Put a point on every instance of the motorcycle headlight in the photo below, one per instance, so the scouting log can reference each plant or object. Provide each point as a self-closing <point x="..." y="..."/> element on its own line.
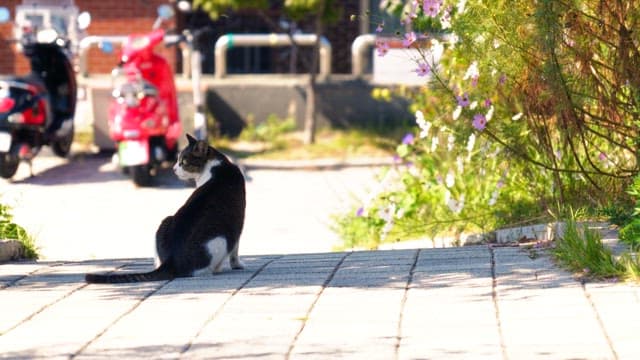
<point x="131" y="100"/>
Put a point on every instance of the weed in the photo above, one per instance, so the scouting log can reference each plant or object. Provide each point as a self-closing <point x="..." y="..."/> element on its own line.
<point x="271" y="130"/>
<point x="13" y="231"/>
<point x="581" y="251"/>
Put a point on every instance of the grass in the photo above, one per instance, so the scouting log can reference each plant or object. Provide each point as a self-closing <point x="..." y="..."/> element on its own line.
<point x="12" y="231"/>
<point x="581" y="250"/>
<point x="328" y="144"/>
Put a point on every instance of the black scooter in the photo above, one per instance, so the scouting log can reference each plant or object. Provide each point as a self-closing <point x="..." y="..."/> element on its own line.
<point x="37" y="109"/>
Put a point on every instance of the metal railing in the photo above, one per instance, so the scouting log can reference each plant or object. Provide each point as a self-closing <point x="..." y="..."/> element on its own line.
<point x="95" y="40"/>
<point x="359" y="52"/>
<point x="229" y="41"/>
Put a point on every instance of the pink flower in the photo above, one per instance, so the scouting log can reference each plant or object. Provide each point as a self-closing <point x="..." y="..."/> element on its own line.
<point x="431" y="7"/>
<point x="382" y="47"/>
<point x="479" y="122"/>
<point x="602" y="157"/>
<point x="414" y="10"/>
<point x="445" y="19"/>
<point x="409" y="38"/>
<point x="474" y="81"/>
<point x="423" y="69"/>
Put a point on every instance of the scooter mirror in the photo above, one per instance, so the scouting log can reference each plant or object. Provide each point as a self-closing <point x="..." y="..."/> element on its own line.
<point x="106" y="47"/>
<point x="47" y="36"/>
<point x="165" y="11"/>
<point x="4" y="15"/>
<point x="84" y="20"/>
<point x="184" y="6"/>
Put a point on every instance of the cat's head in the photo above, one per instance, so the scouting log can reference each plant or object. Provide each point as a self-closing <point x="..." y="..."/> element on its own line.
<point x="195" y="158"/>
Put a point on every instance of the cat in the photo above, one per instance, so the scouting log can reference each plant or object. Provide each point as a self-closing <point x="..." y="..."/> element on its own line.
<point x="206" y="230"/>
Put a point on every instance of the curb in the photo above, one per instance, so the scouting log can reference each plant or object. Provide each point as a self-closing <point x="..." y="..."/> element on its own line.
<point x="314" y="165"/>
<point x="10" y="250"/>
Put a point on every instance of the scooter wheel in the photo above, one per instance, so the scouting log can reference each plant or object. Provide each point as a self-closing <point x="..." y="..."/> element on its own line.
<point x="62" y="145"/>
<point x="8" y="165"/>
<point x="141" y="175"/>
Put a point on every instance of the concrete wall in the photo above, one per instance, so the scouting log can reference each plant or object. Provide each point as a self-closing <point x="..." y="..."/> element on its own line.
<point x="342" y="102"/>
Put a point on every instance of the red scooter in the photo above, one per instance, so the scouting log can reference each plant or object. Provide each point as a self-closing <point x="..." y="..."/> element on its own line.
<point x="143" y="115"/>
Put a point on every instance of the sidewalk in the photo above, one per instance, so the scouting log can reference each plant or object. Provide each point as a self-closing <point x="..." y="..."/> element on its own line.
<point x="464" y="303"/>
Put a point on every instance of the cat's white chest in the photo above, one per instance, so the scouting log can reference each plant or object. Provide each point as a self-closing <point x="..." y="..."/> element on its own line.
<point x="206" y="173"/>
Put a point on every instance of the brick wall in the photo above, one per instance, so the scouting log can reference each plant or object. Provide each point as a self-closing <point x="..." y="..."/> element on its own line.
<point x="108" y="17"/>
<point x="120" y="17"/>
<point x="8" y="56"/>
<point x="123" y="17"/>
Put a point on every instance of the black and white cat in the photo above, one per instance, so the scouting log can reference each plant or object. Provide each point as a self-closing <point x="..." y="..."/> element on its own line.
<point x="205" y="231"/>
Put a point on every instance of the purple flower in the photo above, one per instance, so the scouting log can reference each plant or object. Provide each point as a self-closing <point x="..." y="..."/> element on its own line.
<point x="463" y="100"/>
<point x="423" y="69"/>
<point x="382" y="47"/>
<point x="408" y="139"/>
<point x="503" y="79"/>
<point x="360" y="212"/>
<point x="409" y="38"/>
<point x="487" y="103"/>
<point x="479" y="121"/>
<point x="380" y="27"/>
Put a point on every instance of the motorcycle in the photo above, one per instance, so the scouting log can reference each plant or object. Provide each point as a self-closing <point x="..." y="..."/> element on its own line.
<point x="38" y="109"/>
<point x="143" y="114"/>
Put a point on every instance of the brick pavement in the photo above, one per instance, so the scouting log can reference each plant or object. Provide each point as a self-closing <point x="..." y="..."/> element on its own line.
<point x="467" y="303"/>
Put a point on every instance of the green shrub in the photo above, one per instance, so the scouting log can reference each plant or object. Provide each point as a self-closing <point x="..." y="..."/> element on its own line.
<point x="12" y="231"/>
<point x="630" y="234"/>
<point x="271" y="130"/>
<point x="510" y="120"/>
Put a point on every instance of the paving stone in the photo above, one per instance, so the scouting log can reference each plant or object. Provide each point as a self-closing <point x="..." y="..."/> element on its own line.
<point x="304" y="306"/>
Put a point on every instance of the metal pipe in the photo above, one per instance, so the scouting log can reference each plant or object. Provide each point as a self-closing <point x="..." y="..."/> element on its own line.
<point x="358" y="52"/>
<point x="228" y="41"/>
<point x="92" y="40"/>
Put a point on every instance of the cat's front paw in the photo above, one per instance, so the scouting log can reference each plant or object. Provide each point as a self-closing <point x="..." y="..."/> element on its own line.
<point x="236" y="264"/>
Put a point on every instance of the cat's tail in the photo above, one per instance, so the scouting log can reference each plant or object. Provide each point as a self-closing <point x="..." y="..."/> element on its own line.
<point x="163" y="272"/>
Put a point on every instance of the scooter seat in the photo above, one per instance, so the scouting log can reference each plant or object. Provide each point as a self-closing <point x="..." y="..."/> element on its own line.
<point x="25" y="81"/>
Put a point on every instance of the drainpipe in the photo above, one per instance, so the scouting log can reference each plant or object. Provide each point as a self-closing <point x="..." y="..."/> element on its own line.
<point x="228" y="41"/>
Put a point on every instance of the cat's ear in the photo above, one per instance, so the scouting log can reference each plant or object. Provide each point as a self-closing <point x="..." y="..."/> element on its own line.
<point x="191" y="139"/>
<point x="202" y="148"/>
